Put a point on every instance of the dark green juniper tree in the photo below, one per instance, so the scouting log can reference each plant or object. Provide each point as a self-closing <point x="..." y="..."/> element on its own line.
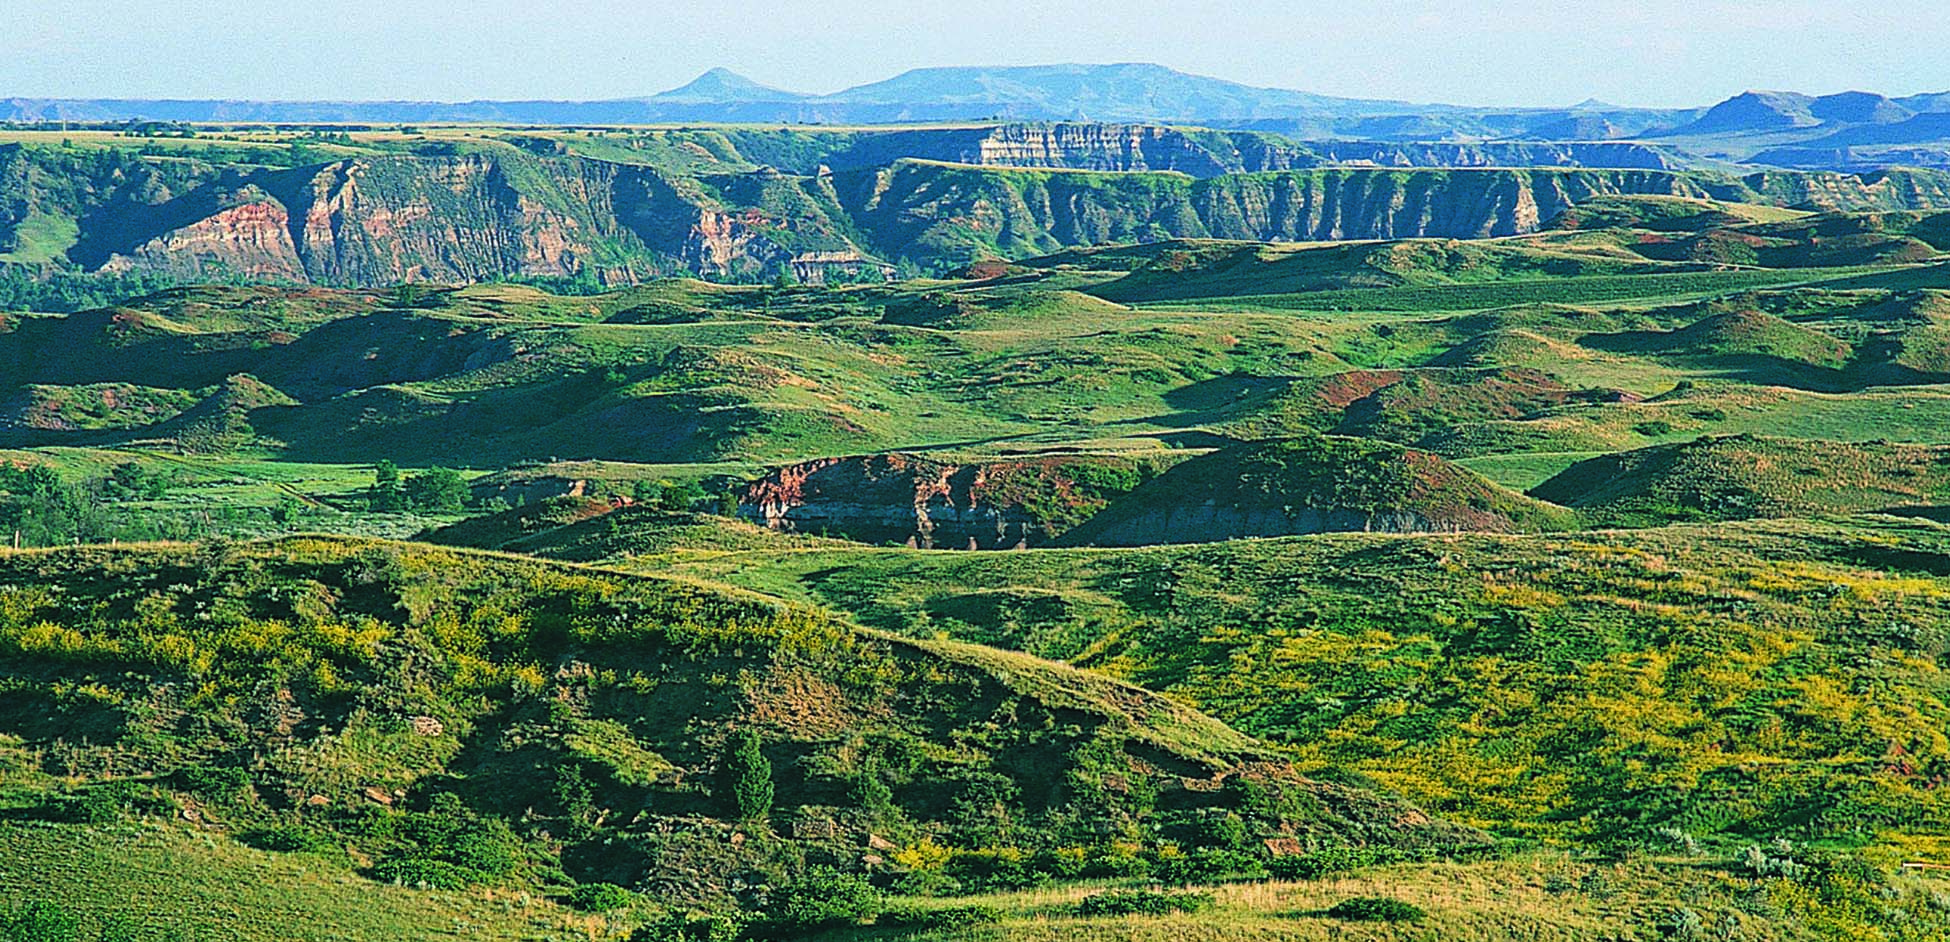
<point x="439" y="490"/>
<point x="748" y="779"/>
<point x="385" y="495"/>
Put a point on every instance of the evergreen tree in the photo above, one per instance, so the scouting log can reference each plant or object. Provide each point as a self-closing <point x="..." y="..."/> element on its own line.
<point x="438" y="490"/>
<point x="575" y="799"/>
<point x="684" y="497"/>
<point x="748" y="779"/>
<point x="385" y="495"/>
<point x="871" y="794"/>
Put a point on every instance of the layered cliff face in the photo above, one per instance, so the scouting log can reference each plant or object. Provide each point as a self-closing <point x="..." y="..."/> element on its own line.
<point x="1311" y="484"/>
<point x="477" y="217"/>
<point x="496" y="214"/>
<point x="932" y="211"/>
<point x="246" y="234"/>
<point x="1594" y="154"/>
<point x="1885" y="190"/>
<point x="1131" y="147"/>
<point x="935" y="504"/>
<point x="461" y="218"/>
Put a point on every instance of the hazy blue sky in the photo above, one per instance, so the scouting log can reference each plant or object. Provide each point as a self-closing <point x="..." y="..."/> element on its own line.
<point x="1518" y="52"/>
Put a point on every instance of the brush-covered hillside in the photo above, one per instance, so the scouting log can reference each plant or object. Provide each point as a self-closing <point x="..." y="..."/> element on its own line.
<point x="1581" y="584"/>
<point x="1315" y="484"/>
<point x="1737" y="477"/>
<point x="1738" y="682"/>
<point x="454" y="719"/>
<point x="1689" y="691"/>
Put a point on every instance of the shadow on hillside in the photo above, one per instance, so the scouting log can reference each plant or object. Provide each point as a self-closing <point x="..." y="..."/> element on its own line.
<point x="1895" y="558"/>
<point x="1752" y="368"/>
<point x="1224" y="397"/>
<point x="1933" y="276"/>
<point x="1936" y="513"/>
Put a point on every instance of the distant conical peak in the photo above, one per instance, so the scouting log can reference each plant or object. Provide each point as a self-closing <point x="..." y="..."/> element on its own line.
<point x="723" y="76"/>
<point x="722" y="84"/>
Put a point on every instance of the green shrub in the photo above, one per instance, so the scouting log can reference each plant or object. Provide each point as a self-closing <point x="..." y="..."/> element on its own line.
<point x="1226" y="830"/>
<point x="450" y="832"/>
<point x="1325" y="862"/>
<point x="1683" y="925"/>
<point x="1117" y="862"/>
<point x="1142" y="903"/>
<point x="40" y="921"/>
<point x="368" y="821"/>
<point x="995" y="869"/>
<point x="648" y="493"/>
<point x="682" y="497"/>
<point x="747" y="779"/>
<point x="1206" y="865"/>
<point x="436" y="490"/>
<point x="924" y="883"/>
<point x="693" y="927"/>
<point x="574" y="797"/>
<point x="1376" y="909"/>
<point x="947" y="918"/>
<point x="287" y="838"/>
<point x="821" y="899"/>
<point x="100" y="804"/>
<point x="600" y="897"/>
<point x="1066" y="863"/>
<point x="871" y="794"/>
<point x="492" y="849"/>
<point x="419" y="871"/>
<point x="385" y="496"/>
<point x="222" y="783"/>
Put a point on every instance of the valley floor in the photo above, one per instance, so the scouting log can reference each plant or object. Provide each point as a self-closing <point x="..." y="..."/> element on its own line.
<point x="1586" y="586"/>
<point x="179" y="883"/>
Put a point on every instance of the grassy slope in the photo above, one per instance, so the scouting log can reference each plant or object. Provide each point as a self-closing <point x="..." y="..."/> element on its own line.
<point x="169" y="879"/>
<point x="1310" y="484"/>
<point x="323" y="671"/>
<point x="1543" y="897"/>
<point x="1741" y="678"/>
<point x="1738" y="477"/>
<point x="172" y="881"/>
<point x="1734" y="681"/>
<point x="684" y="372"/>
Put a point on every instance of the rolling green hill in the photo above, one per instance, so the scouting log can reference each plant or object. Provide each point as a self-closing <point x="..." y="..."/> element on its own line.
<point x="1742" y="680"/>
<point x="1580" y="584"/>
<point x="1309" y="485"/>
<point x="1737" y="477"/>
<point x="457" y="718"/>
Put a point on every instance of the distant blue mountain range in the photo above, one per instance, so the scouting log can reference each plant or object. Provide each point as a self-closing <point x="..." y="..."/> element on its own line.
<point x="1782" y="123"/>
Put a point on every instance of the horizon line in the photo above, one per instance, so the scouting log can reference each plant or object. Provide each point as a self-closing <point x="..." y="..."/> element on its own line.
<point x="798" y="97"/>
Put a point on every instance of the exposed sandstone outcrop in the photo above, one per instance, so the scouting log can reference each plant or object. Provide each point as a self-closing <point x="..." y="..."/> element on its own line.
<point x="467" y="217"/>
<point x="251" y="240"/>
<point x="1597" y="155"/>
<point x="1081" y="145"/>
<point x="1133" y="147"/>
<point x="896" y="498"/>
<point x="1278" y="488"/>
